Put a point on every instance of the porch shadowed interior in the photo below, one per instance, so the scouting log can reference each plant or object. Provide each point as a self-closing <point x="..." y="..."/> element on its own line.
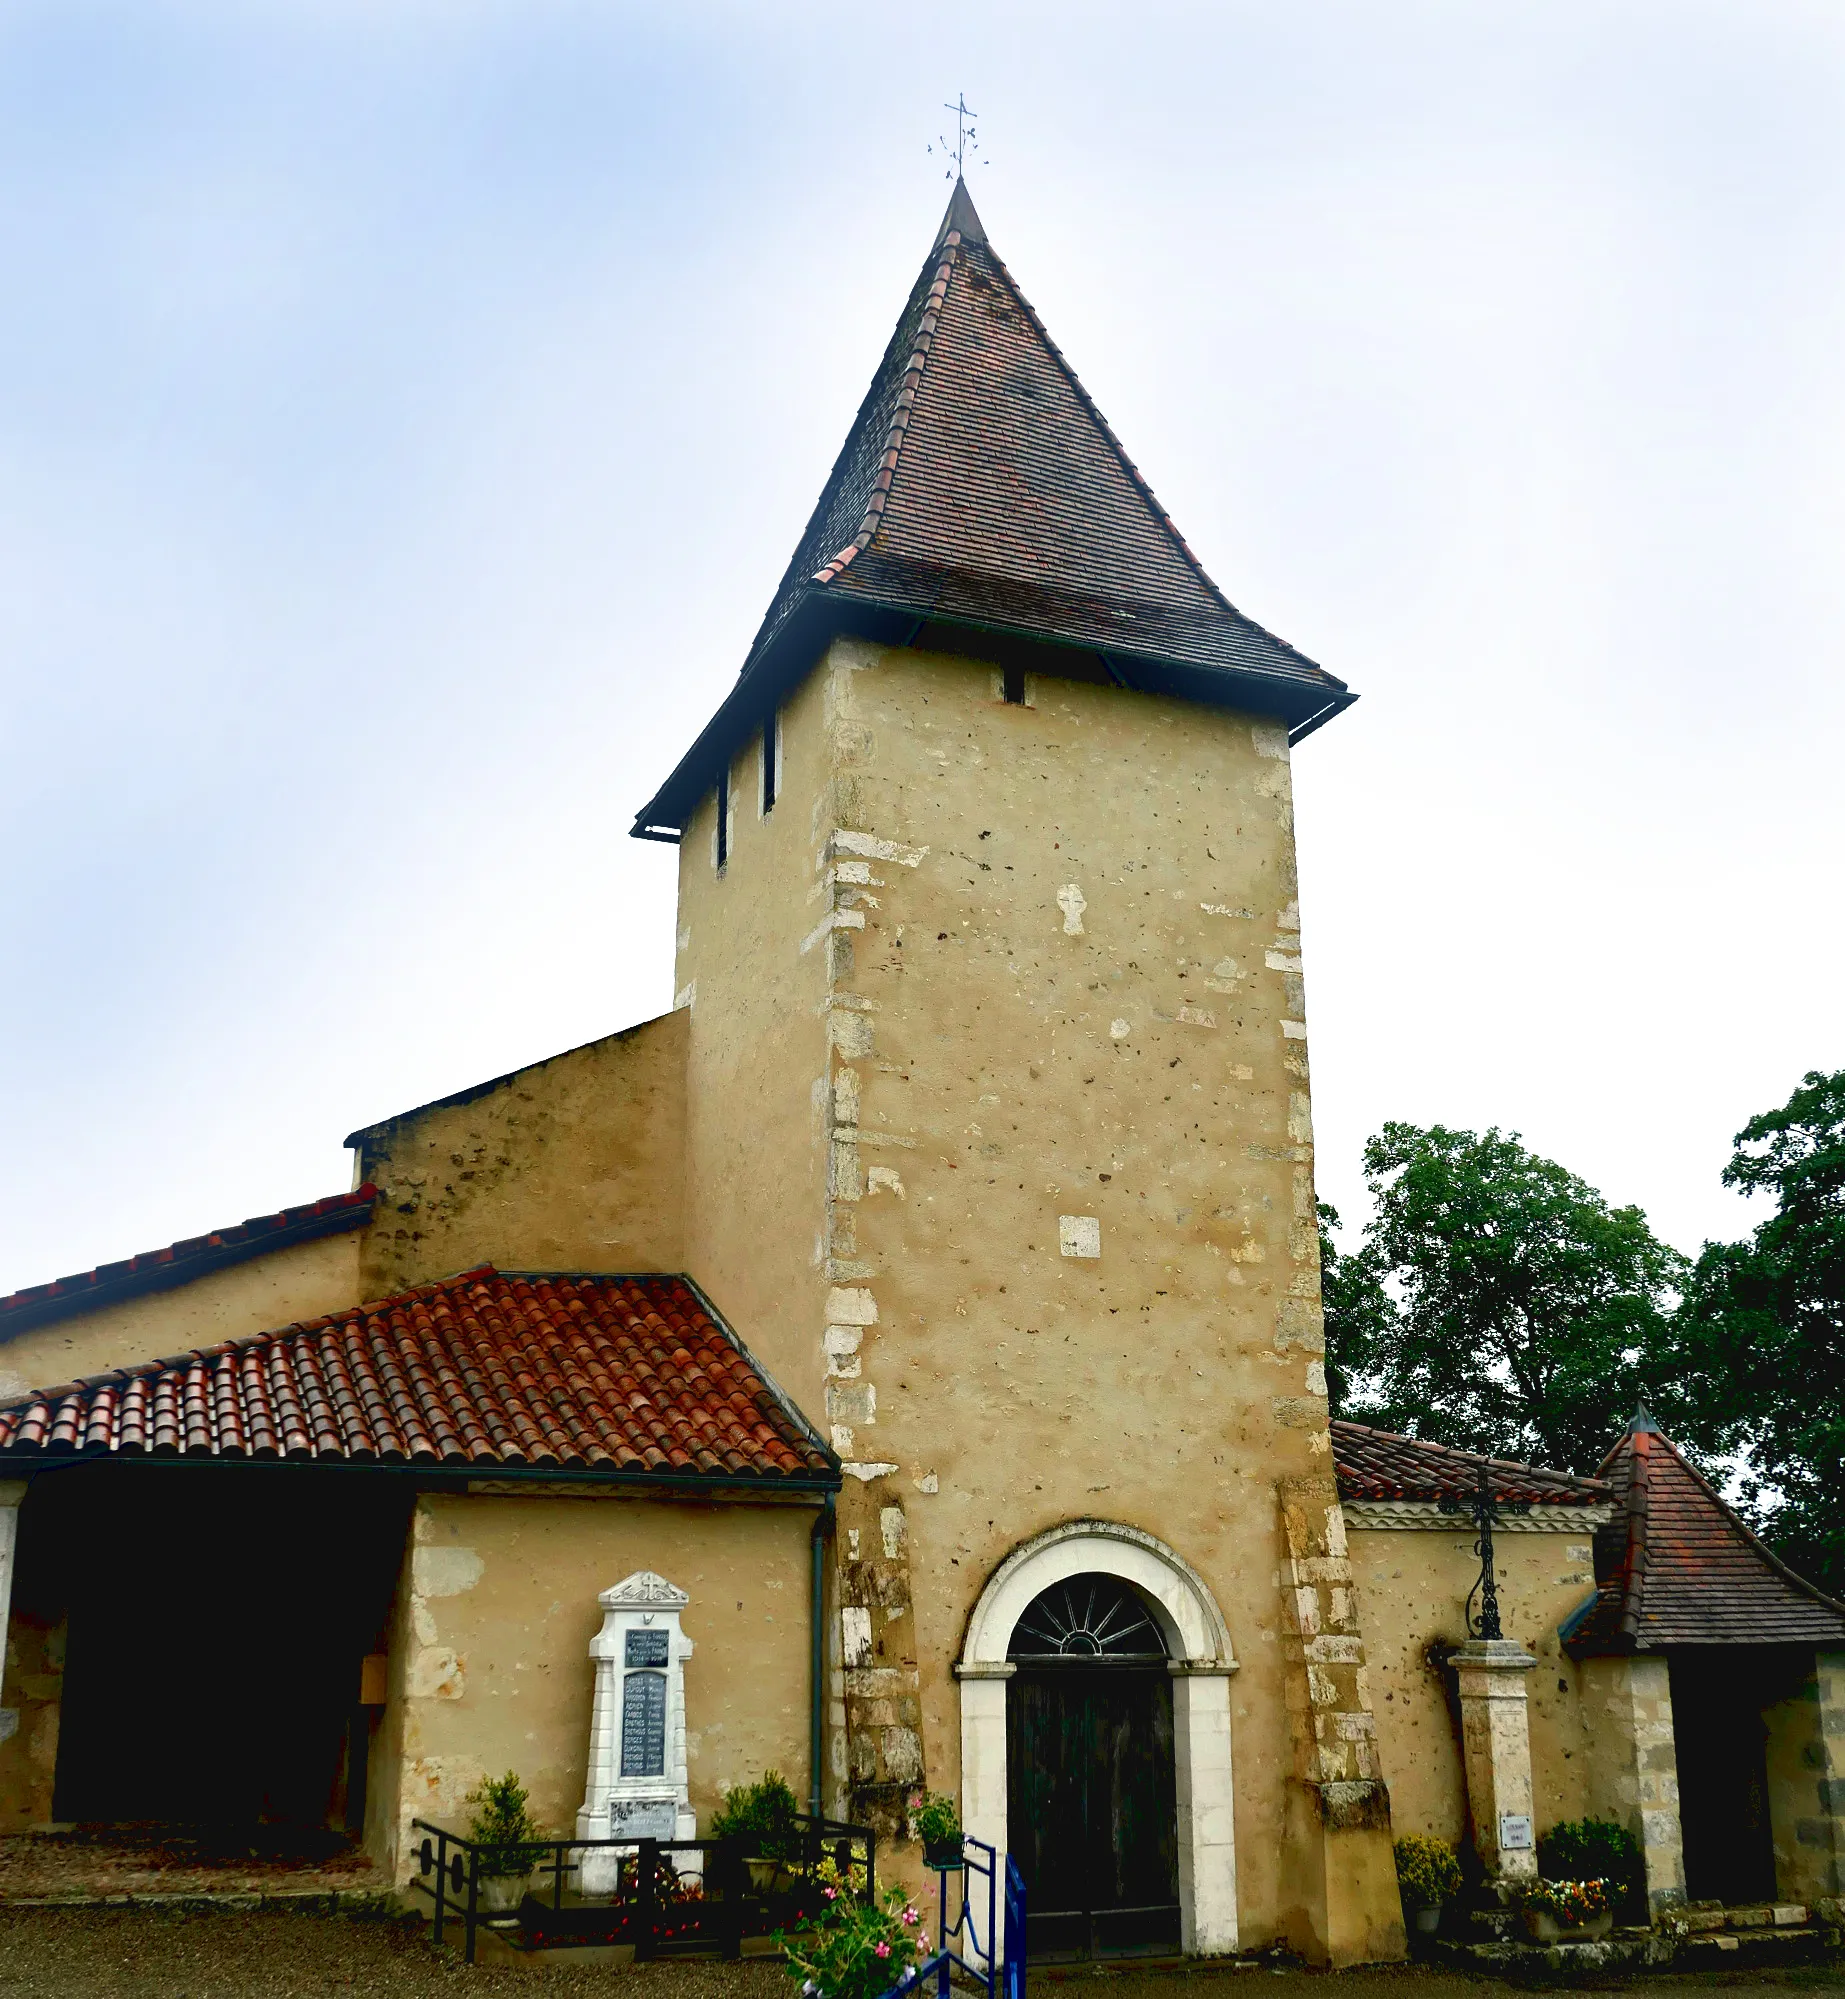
<point x="215" y="1623"/>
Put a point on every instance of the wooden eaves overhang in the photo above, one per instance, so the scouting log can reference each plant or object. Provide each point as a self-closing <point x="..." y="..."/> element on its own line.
<point x="982" y="505"/>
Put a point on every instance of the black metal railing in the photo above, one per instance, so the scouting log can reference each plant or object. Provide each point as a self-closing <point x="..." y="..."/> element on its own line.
<point x="657" y="1895"/>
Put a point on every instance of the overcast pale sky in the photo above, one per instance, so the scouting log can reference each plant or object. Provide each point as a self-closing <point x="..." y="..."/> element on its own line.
<point x="407" y="406"/>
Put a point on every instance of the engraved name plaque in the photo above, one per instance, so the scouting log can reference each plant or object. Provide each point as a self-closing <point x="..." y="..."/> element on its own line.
<point x="643" y="1725"/>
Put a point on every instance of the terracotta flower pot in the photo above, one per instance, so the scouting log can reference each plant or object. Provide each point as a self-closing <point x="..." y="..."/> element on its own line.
<point x="766" y="1875"/>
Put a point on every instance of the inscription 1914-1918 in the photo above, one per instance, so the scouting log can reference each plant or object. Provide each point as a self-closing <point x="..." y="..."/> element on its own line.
<point x="645" y="1648"/>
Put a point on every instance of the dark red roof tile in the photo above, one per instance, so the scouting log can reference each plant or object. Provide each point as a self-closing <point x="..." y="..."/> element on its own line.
<point x="488" y="1370"/>
<point x="1677" y="1567"/>
<point x="180" y="1262"/>
<point x="1378" y="1464"/>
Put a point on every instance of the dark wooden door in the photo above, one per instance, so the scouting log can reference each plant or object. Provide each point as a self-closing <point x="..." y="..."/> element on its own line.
<point x="1092" y="1815"/>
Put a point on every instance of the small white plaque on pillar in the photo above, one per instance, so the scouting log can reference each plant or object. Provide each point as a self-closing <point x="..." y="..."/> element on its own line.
<point x="1515" y="1834"/>
<point x="637" y="1786"/>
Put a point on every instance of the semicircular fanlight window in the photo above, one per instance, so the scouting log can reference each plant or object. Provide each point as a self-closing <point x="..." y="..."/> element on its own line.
<point x="1087" y="1617"/>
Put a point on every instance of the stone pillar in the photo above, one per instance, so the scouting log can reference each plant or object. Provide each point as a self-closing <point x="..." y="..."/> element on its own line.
<point x="983" y="1750"/>
<point x="1496" y="1750"/>
<point x="637" y="1782"/>
<point x="1338" y="1877"/>
<point x="1806" y="1783"/>
<point x="1626" y="1706"/>
<point x="1207" y="1814"/>
<point x="10" y="1494"/>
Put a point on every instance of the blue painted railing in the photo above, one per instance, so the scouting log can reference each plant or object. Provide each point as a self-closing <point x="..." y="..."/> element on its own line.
<point x="966" y="1944"/>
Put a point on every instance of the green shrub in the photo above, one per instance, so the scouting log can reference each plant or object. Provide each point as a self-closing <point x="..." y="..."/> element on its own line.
<point x="501" y="1825"/>
<point x="1594" y="1850"/>
<point x="764" y="1815"/>
<point x="1427" y="1872"/>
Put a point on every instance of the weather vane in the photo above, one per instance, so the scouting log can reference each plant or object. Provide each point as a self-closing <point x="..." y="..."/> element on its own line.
<point x="966" y="139"/>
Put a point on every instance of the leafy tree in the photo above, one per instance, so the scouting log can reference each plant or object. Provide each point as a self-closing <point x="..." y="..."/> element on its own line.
<point x="1497" y="1302"/>
<point x="1761" y="1338"/>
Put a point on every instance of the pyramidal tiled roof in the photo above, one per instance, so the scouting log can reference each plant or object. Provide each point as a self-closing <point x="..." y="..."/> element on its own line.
<point x="489" y="1372"/>
<point x="1676" y="1566"/>
<point x="981" y="488"/>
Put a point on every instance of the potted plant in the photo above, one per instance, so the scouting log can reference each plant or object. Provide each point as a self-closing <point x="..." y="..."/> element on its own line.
<point x="855" y="1949"/>
<point x="766" y="1818"/>
<point x="1565" y="1911"/>
<point x="934" y="1820"/>
<point x="1428" y="1875"/>
<point x="502" y="1833"/>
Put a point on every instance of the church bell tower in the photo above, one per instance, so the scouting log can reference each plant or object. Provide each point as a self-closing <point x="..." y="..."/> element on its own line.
<point x="1000" y="1145"/>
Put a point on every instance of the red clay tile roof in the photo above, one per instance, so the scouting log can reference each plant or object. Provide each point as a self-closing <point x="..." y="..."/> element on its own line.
<point x="1377" y="1464"/>
<point x="1676" y="1567"/>
<point x="601" y="1376"/>
<point x="980" y="486"/>
<point x="181" y="1262"/>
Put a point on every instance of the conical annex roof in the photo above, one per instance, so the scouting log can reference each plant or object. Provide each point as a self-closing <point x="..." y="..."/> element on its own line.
<point x="1675" y="1566"/>
<point x="981" y="489"/>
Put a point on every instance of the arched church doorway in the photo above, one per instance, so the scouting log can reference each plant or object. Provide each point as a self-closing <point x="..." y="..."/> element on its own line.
<point x="1142" y="1743"/>
<point x="1091" y="1793"/>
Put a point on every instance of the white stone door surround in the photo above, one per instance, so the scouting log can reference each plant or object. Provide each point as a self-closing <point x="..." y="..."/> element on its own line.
<point x="1201" y="1662"/>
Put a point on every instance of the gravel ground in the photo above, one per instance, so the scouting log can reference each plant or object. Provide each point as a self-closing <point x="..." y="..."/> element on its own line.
<point x="156" y="1954"/>
<point x="170" y="1860"/>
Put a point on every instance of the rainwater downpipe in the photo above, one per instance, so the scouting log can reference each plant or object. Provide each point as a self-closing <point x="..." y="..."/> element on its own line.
<point x="816" y="1715"/>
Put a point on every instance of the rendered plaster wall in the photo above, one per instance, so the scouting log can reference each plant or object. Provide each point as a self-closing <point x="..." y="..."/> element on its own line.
<point x="576" y="1163"/>
<point x="1030" y="975"/>
<point x="301" y="1282"/>
<point x="490" y="1666"/>
<point x="1412" y="1586"/>
<point x="1806" y="1777"/>
<point x="753" y="979"/>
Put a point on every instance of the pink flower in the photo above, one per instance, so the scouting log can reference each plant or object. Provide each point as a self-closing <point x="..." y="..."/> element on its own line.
<point x="884" y="1950"/>
<point x="911" y="1917"/>
<point x="831" y="1894"/>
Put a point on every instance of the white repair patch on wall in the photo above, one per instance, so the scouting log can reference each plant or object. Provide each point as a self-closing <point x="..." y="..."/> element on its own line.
<point x="884" y="1179"/>
<point x="855" y="1636"/>
<point x="1079" y="1235"/>
<point x="444" y="1571"/>
<point x="1072" y="901"/>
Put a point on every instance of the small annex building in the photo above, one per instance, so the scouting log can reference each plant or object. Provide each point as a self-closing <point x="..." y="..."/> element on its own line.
<point x="912" y="1339"/>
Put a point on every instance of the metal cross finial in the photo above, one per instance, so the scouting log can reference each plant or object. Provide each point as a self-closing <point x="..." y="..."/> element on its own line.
<point x="965" y="136"/>
<point x="1485" y="1508"/>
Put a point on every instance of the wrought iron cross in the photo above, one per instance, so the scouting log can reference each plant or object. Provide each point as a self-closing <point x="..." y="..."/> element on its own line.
<point x="1485" y="1508"/>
